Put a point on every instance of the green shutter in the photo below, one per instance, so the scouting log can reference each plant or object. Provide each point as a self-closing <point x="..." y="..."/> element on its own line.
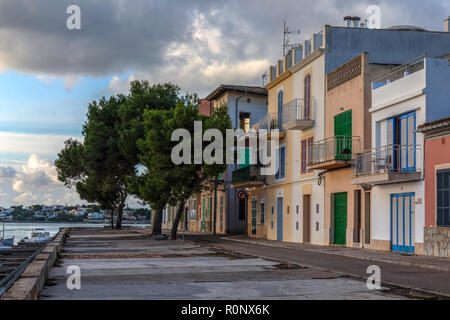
<point x="340" y="218"/>
<point x="245" y="158"/>
<point x="343" y="135"/>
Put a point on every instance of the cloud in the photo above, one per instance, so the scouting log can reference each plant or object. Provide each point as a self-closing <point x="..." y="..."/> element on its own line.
<point x="175" y="40"/>
<point x="34" y="183"/>
<point x="25" y="144"/>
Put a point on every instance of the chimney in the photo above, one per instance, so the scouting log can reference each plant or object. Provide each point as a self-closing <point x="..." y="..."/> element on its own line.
<point x="446" y="25"/>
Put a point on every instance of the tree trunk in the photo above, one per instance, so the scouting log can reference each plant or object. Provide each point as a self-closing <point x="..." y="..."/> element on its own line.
<point x="176" y="221"/>
<point x="119" y="216"/>
<point x="157" y="222"/>
<point x="112" y="219"/>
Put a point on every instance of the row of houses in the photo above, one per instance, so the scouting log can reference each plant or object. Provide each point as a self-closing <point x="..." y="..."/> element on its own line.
<point x="363" y="159"/>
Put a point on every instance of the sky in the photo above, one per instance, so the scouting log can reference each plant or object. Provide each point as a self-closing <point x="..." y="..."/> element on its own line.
<point x="49" y="74"/>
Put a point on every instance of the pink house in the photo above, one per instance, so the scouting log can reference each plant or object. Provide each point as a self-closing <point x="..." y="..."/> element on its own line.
<point x="437" y="187"/>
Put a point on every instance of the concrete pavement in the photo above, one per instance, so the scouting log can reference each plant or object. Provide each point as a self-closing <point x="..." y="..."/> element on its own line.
<point x="130" y="265"/>
<point x="417" y="281"/>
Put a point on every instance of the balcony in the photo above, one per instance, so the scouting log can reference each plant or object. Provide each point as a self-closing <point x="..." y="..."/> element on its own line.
<point x="299" y="114"/>
<point x="334" y="152"/>
<point x="272" y="124"/>
<point x="388" y="164"/>
<point x="247" y="177"/>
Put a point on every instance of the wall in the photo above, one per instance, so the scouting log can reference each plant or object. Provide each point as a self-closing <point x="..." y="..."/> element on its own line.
<point x="437" y="157"/>
<point x="343" y="44"/>
<point x="438" y="88"/>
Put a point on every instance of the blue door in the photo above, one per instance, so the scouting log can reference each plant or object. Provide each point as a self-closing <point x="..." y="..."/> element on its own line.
<point x="402" y="222"/>
<point x="280" y="219"/>
<point x="280" y="110"/>
<point x="408" y="142"/>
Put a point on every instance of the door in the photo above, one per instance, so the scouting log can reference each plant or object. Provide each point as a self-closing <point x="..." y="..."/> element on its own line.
<point x="402" y="222"/>
<point x="254" y="210"/>
<point x="340" y="218"/>
<point x="343" y="135"/>
<point x="306" y="218"/>
<point x="204" y="215"/>
<point x="357" y="216"/>
<point x="408" y="142"/>
<point x="280" y="219"/>
<point x="367" y="217"/>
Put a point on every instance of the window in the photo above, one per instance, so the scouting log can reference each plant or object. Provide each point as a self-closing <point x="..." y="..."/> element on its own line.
<point x="281" y="163"/>
<point x="280" y="110"/>
<point x="193" y="209"/>
<point x="254" y="213"/>
<point x="262" y="213"/>
<point x="249" y="100"/>
<point x="244" y="121"/>
<point x="307" y="95"/>
<point x="443" y="198"/>
<point x="305" y="145"/>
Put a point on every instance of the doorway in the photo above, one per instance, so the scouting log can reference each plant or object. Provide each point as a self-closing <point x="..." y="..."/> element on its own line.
<point x="280" y="219"/>
<point x="402" y="222"/>
<point x="306" y="218"/>
<point x="340" y="218"/>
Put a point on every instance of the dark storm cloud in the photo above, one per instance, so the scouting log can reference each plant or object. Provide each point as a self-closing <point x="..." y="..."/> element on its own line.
<point x="141" y="36"/>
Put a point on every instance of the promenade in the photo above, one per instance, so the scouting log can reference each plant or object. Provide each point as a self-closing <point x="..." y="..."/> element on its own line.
<point x="131" y="265"/>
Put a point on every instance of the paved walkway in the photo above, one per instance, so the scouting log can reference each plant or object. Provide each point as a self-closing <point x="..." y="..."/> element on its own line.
<point x="426" y="262"/>
<point x="132" y="265"/>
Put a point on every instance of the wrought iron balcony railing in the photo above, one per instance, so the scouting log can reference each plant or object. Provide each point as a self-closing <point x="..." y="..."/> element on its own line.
<point x="334" y="148"/>
<point x="299" y="110"/>
<point x="390" y="158"/>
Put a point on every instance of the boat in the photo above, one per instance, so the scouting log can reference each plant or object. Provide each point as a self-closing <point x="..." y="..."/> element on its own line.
<point x="6" y="242"/>
<point x="37" y="236"/>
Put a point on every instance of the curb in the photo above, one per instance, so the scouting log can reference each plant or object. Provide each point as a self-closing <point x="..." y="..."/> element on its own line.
<point x="32" y="280"/>
<point x="365" y="258"/>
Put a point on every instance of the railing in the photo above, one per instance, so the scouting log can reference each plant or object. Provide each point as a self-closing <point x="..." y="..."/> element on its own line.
<point x="247" y="174"/>
<point x="334" y="148"/>
<point x="400" y="72"/>
<point x="299" y="109"/>
<point x="270" y="122"/>
<point x="390" y="158"/>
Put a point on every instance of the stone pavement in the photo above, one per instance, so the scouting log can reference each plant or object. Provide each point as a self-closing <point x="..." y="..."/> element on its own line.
<point x="440" y="264"/>
<point x="132" y="265"/>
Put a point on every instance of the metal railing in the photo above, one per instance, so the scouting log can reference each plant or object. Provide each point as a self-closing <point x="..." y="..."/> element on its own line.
<point x="401" y="71"/>
<point x="247" y="174"/>
<point x="270" y="122"/>
<point x="389" y="158"/>
<point x="334" y="148"/>
<point x="299" y="109"/>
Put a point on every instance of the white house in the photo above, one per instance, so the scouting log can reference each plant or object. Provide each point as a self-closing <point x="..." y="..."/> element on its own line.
<point x="412" y="94"/>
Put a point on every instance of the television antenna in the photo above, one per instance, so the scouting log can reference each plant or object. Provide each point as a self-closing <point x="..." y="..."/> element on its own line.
<point x="286" y="32"/>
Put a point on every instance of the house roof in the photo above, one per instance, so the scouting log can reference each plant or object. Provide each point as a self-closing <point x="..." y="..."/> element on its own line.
<point x="227" y="87"/>
<point x="435" y="126"/>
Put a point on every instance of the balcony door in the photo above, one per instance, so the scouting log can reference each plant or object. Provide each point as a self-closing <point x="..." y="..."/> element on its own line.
<point x="343" y="135"/>
<point x="401" y="141"/>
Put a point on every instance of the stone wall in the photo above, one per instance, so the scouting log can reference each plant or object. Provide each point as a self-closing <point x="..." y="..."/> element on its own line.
<point x="437" y="242"/>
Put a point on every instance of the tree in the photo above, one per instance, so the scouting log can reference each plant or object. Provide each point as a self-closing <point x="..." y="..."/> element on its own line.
<point x="164" y="180"/>
<point x="144" y="97"/>
<point x="96" y="166"/>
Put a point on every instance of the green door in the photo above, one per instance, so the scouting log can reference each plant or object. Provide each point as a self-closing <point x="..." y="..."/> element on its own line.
<point x="245" y="158"/>
<point x="340" y="218"/>
<point x="343" y="134"/>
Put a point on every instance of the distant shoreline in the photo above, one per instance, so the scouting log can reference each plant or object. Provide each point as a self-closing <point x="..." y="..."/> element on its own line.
<point x="77" y="222"/>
